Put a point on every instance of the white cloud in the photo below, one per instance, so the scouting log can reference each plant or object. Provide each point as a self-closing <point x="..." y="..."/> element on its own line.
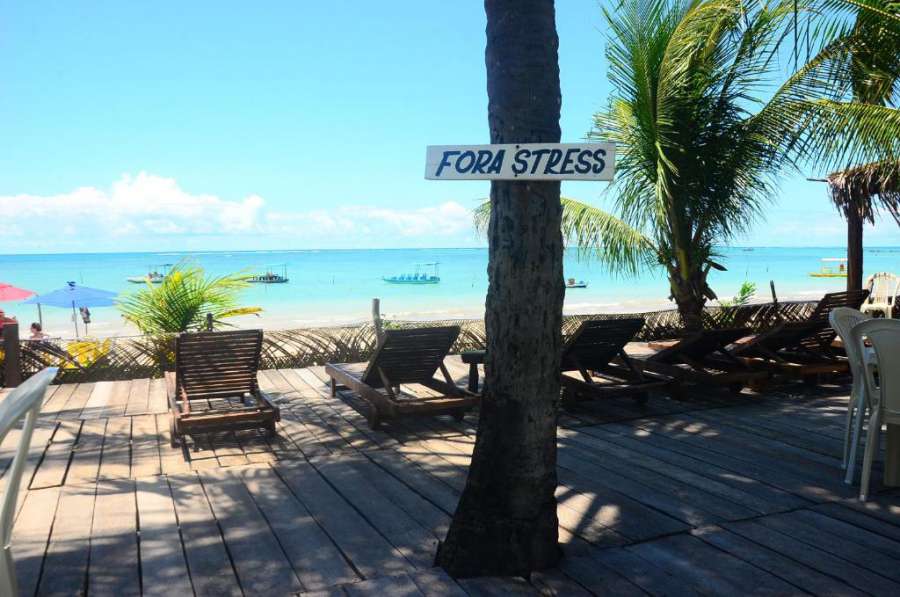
<point x="146" y="206"/>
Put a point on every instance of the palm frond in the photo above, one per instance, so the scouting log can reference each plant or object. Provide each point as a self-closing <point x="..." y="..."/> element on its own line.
<point x="183" y="299"/>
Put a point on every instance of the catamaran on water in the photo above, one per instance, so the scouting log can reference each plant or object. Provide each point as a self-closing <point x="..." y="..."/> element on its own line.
<point x="832" y="267"/>
<point x="153" y="276"/>
<point x="420" y="276"/>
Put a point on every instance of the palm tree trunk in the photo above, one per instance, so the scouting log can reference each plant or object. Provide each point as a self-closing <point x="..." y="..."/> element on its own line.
<point x="690" y="307"/>
<point x="854" y="248"/>
<point x="505" y="523"/>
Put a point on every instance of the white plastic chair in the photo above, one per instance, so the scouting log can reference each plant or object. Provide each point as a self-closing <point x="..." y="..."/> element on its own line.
<point x="843" y="320"/>
<point x="24" y="401"/>
<point x="883" y="291"/>
<point x="883" y="392"/>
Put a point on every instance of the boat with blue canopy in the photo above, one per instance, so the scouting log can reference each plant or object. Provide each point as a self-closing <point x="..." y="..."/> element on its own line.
<point x="425" y="273"/>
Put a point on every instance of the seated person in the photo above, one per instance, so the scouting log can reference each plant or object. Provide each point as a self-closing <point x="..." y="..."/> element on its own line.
<point x="37" y="332"/>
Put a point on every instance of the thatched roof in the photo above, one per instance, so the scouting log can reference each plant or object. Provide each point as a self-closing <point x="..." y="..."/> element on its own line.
<point x="867" y="186"/>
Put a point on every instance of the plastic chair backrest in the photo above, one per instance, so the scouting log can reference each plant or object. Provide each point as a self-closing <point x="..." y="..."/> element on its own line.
<point x="884" y="336"/>
<point x="885" y="287"/>
<point x="843" y="320"/>
<point x="24" y="401"/>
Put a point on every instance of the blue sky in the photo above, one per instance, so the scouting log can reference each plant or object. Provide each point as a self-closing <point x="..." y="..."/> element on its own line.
<point x="228" y="125"/>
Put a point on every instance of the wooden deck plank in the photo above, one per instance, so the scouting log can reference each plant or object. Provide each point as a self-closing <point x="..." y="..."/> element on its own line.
<point x="157" y="402"/>
<point x="642" y="573"/>
<point x="400" y="585"/>
<point x="164" y="570"/>
<point x="53" y="467"/>
<point x="776" y="499"/>
<point x="138" y="397"/>
<point x="172" y="460"/>
<point x="316" y="378"/>
<point x="258" y="558"/>
<point x="56" y="398"/>
<point x="330" y="418"/>
<point x="434" y="582"/>
<point x="115" y="462"/>
<point x="370" y="553"/>
<point x="709" y="568"/>
<point x="118" y="401"/>
<point x="85" y="463"/>
<point x="803" y="577"/>
<point x="66" y="562"/>
<point x="145" y="459"/>
<point x="76" y="401"/>
<point x="813" y="557"/>
<point x="96" y="405"/>
<point x="417" y="544"/>
<point x="114" y="550"/>
<point x="837" y="542"/>
<point x="31" y="535"/>
<point x="859" y="519"/>
<point x="314" y="557"/>
<point x="208" y="560"/>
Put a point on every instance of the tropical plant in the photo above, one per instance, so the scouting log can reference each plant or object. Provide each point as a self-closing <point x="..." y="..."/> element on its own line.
<point x="743" y="297"/>
<point x="703" y="130"/>
<point x="183" y="299"/>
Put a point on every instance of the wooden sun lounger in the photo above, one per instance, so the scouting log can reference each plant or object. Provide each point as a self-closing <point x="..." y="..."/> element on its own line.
<point x="703" y="358"/>
<point x="214" y="386"/>
<point x="591" y="351"/>
<point x="405" y="357"/>
<point x="802" y="349"/>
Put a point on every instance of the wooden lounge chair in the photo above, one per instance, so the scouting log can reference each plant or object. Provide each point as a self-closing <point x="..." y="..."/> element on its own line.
<point x="591" y="350"/>
<point x="214" y="385"/>
<point x="405" y="357"/>
<point x="802" y="349"/>
<point x="703" y="358"/>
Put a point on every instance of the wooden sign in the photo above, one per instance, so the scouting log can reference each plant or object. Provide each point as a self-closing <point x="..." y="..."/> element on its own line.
<point x="521" y="161"/>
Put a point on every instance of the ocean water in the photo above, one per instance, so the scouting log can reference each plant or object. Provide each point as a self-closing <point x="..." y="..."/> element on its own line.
<point x="337" y="286"/>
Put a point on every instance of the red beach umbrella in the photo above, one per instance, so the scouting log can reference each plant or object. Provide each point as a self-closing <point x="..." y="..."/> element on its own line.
<point x="9" y="292"/>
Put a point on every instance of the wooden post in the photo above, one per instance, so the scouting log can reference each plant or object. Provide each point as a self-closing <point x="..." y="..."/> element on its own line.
<point x="376" y="318"/>
<point x="854" y="248"/>
<point x="12" y="360"/>
<point x="209" y="322"/>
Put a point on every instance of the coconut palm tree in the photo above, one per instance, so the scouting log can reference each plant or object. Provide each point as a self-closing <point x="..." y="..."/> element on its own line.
<point x="183" y="299"/>
<point x="702" y="137"/>
<point x="874" y="66"/>
<point x="506" y="522"/>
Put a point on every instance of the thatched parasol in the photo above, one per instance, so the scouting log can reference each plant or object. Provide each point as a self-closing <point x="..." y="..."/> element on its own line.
<point x="859" y="192"/>
<point x="862" y="187"/>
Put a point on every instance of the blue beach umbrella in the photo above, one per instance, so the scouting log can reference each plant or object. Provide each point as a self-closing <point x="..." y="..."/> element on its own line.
<point x="75" y="297"/>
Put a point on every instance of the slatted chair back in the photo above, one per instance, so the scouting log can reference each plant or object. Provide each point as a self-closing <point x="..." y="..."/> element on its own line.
<point x="218" y="364"/>
<point x="696" y="347"/>
<point x="24" y="401"/>
<point x="409" y="356"/>
<point x="596" y="342"/>
<point x="852" y="299"/>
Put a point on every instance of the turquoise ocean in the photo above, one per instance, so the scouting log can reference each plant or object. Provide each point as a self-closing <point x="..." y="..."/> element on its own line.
<point x="336" y="286"/>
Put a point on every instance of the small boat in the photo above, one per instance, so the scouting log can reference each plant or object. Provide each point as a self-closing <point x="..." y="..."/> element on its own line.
<point x="153" y="276"/>
<point x="270" y="277"/>
<point x="571" y="283"/>
<point x="832" y="267"/>
<point x="420" y="276"/>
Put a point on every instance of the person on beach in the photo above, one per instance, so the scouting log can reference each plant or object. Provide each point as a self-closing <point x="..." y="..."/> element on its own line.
<point x="37" y="332"/>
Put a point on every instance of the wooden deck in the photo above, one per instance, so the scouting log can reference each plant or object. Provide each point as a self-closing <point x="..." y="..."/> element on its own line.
<point x="721" y="494"/>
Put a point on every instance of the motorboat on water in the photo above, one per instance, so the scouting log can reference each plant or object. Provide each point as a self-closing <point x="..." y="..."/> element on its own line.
<point x="572" y="283"/>
<point x="270" y="277"/>
<point x="425" y="273"/>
